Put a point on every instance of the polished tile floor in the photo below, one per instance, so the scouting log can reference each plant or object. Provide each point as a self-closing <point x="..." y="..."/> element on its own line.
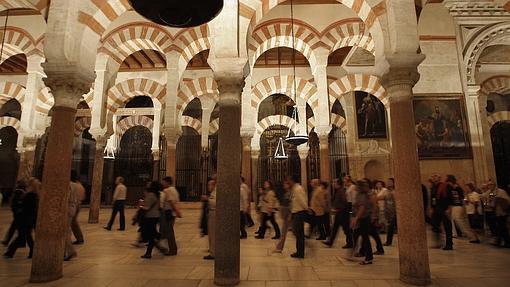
<point x="108" y="259"/>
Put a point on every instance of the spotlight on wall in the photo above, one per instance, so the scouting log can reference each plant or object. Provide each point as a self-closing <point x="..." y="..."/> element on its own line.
<point x="178" y="13"/>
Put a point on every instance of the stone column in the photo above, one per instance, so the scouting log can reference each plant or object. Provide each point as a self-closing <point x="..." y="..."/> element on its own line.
<point x="27" y="158"/>
<point x="155" y="165"/>
<point x="227" y="263"/>
<point x="254" y="155"/>
<point x="246" y="159"/>
<point x="303" y="155"/>
<point x="97" y="180"/>
<point x="52" y="220"/>
<point x="479" y="132"/>
<point x="171" y="160"/>
<point x="412" y="237"/>
<point x="323" y="135"/>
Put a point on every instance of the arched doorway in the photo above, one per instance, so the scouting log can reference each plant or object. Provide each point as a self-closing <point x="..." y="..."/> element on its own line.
<point x="500" y="135"/>
<point x="134" y="161"/>
<point x="8" y="160"/>
<point x="338" y="157"/>
<point x="188" y="167"/>
<point x="277" y="169"/>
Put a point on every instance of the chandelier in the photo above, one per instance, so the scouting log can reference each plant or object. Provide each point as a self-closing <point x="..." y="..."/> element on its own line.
<point x="178" y="13"/>
<point x="280" y="151"/>
<point x="294" y="136"/>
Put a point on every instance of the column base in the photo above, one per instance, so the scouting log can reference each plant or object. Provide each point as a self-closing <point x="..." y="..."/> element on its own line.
<point x="43" y="278"/>
<point x="93" y="221"/>
<point x="226" y="281"/>
<point x="415" y="280"/>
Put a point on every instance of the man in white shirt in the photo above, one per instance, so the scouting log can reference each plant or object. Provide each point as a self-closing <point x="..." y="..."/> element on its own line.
<point x="244" y="207"/>
<point x="119" y="200"/>
<point x="211" y="217"/>
<point x="499" y="200"/>
<point x="170" y="205"/>
<point x="299" y="208"/>
<point x="249" y="220"/>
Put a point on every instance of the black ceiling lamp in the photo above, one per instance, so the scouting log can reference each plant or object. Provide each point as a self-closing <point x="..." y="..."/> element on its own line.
<point x="178" y="13"/>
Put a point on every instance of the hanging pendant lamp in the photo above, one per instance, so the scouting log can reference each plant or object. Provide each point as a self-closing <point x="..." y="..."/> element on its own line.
<point x="280" y="151"/>
<point x="294" y="136"/>
<point x="178" y="13"/>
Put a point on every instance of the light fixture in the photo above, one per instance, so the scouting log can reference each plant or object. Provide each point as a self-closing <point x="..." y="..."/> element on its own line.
<point x="280" y="151"/>
<point x="178" y="13"/>
<point x="294" y="136"/>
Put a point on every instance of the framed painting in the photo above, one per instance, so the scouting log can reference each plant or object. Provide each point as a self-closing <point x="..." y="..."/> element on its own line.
<point x="370" y="116"/>
<point x="440" y="126"/>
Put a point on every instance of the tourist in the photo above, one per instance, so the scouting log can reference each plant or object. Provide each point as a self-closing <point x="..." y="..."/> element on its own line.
<point x="72" y="206"/>
<point x="473" y="206"/>
<point x="501" y="203"/>
<point x="390" y="211"/>
<point x="363" y="209"/>
<point x="244" y="209"/>
<point x="299" y="207"/>
<point x="285" y="214"/>
<point x="119" y="200"/>
<point x="249" y="220"/>
<point x="16" y="203"/>
<point x="318" y="204"/>
<point x="152" y="214"/>
<point x="170" y="210"/>
<point x="75" y="226"/>
<point x="268" y="209"/>
<point x="441" y="205"/>
<point x="381" y="192"/>
<point x="26" y="220"/>
<point x="211" y="217"/>
<point x="489" y="205"/>
<point x="458" y="212"/>
<point x="260" y="202"/>
<point x="341" y="208"/>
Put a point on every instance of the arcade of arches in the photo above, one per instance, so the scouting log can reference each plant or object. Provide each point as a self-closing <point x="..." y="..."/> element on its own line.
<point x="384" y="88"/>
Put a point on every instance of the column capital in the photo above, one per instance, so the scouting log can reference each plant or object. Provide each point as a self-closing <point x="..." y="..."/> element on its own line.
<point x="172" y="135"/>
<point x="156" y="154"/>
<point x="230" y="88"/>
<point x="303" y="151"/>
<point x="255" y="153"/>
<point x="29" y="144"/>
<point x="101" y="140"/>
<point x="67" y="89"/>
<point x="323" y="132"/>
<point x="246" y="139"/>
<point x="473" y="90"/>
<point x="247" y="132"/>
<point x="403" y="70"/>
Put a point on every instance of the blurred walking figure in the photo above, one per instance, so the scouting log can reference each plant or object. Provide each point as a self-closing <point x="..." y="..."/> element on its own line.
<point x="211" y="217"/>
<point x="341" y="208"/>
<point x="119" y="200"/>
<point x="268" y="209"/>
<point x="16" y="203"/>
<point x="72" y="207"/>
<point x="286" y="215"/>
<point x="170" y="205"/>
<point x="75" y="226"/>
<point x="152" y="214"/>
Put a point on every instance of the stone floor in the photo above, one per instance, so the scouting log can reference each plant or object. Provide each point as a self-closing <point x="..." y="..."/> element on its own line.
<point x="108" y="259"/>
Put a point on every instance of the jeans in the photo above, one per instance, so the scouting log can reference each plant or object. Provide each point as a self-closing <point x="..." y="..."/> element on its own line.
<point x="392" y="224"/>
<point x="243" y="224"/>
<point x="263" y="226"/>
<point x="298" y="227"/>
<point x="24" y="237"/>
<point x="490" y="219"/>
<point x="439" y="217"/>
<point x="118" y="207"/>
<point x="167" y="231"/>
<point x="342" y="219"/>
<point x="364" y="229"/>
<point x="502" y="230"/>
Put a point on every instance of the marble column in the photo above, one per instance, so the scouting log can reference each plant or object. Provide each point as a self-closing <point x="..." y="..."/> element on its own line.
<point x="171" y="160"/>
<point x="155" y="165"/>
<point x="254" y="155"/>
<point x="479" y="131"/>
<point x="324" y="155"/>
<point x="27" y="158"/>
<point x="97" y="180"/>
<point x="227" y="257"/>
<point x="412" y="237"/>
<point x="303" y="156"/>
<point x="246" y="160"/>
<point x="52" y="220"/>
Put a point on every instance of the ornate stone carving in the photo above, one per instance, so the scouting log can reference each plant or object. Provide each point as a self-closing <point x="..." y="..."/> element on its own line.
<point x="372" y="147"/>
<point x="475" y="8"/>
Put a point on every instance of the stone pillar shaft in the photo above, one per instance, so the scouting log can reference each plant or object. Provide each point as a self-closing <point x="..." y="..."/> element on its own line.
<point x="227" y="251"/>
<point x="97" y="182"/>
<point x="52" y="220"/>
<point x="171" y="160"/>
<point x="254" y="173"/>
<point x="303" y="155"/>
<point x="246" y="161"/>
<point x="324" y="156"/>
<point x="412" y="237"/>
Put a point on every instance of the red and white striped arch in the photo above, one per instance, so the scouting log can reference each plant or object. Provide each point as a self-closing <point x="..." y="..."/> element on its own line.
<point x="9" y="122"/>
<point x="189" y="90"/>
<point x="133" y="37"/>
<point x="81" y="124"/>
<point x="339" y="122"/>
<point x="357" y="82"/>
<point x="133" y="121"/>
<point x="45" y="101"/>
<point x="271" y="35"/>
<point x="351" y="33"/>
<point x="190" y="42"/>
<point x="497" y="84"/>
<point x="196" y="124"/>
<point x="101" y="13"/>
<point x="498" y="117"/>
<point x="214" y="126"/>
<point x="39" y="5"/>
<point x="9" y="91"/>
<point x="122" y="92"/>
<point x="275" y="120"/>
<point x="18" y="41"/>
<point x="284" y="85"/>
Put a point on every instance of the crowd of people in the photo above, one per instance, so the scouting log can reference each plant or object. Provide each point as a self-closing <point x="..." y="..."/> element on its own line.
<point x="364" y="209"/>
